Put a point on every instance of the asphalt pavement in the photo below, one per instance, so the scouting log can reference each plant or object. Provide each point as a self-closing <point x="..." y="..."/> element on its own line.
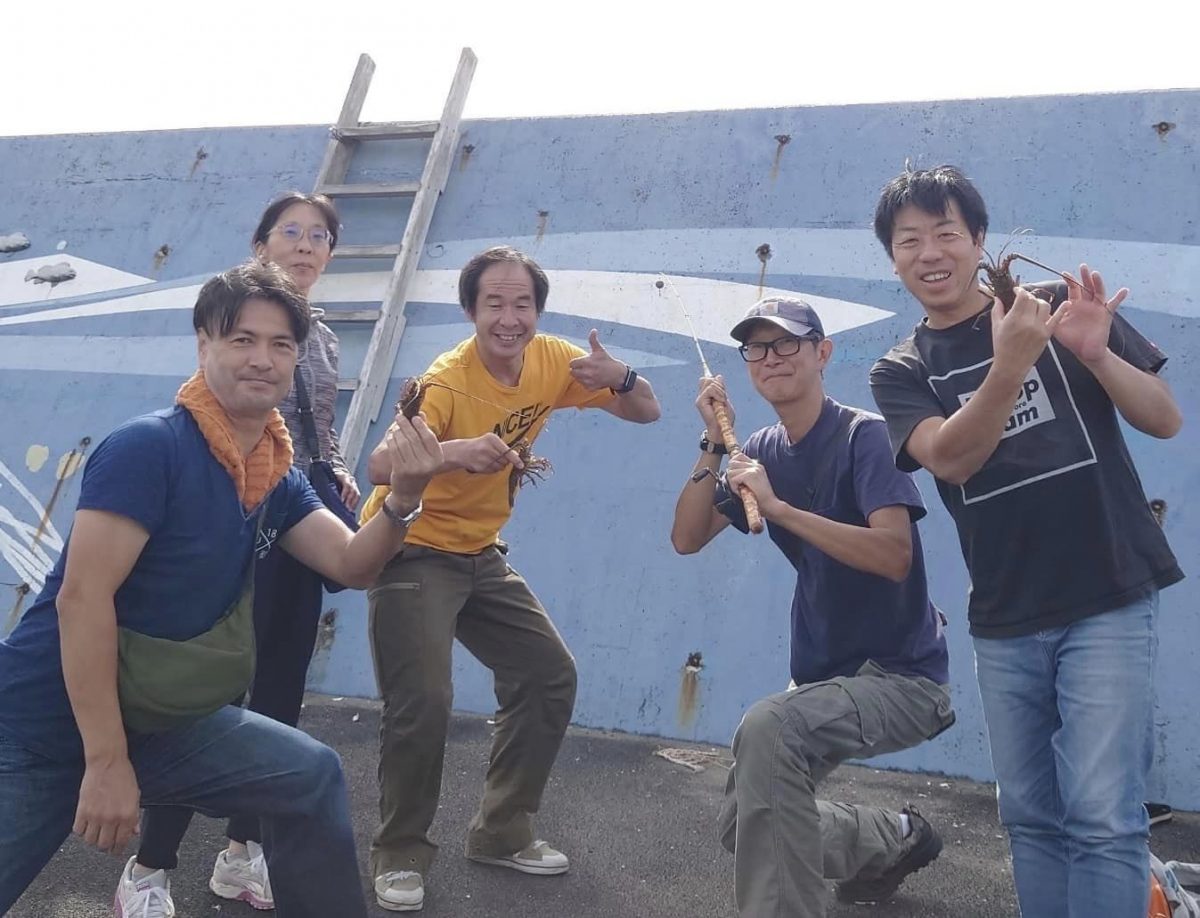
<point x="640" y="831"/>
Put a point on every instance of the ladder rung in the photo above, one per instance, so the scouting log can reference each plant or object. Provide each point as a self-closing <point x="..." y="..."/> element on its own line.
<point x="386" y="130"/>
<point x="397" y="190"/>
<point x="347" y="385"/>
<point x="350" y="315"/>
<point x="367" y="251"/>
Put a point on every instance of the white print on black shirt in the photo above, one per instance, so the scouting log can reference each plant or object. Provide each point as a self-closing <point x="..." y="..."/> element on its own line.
<point x="266" y="538"/>
<point x="1032" y="408"/>
<point x="1053" y="438"/>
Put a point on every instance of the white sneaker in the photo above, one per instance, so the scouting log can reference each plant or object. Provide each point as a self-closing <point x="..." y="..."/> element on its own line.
<point x="539" y="859"/>
<point x="243" y="879"/>
<point x="149" y="897"/>
<point x="400" y="891"/>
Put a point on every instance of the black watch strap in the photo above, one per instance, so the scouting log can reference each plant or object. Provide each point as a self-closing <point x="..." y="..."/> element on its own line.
<point x="629" y="382"/>
<point x="708" y="446"/>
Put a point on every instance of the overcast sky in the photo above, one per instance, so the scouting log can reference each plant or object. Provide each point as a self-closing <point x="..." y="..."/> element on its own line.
<point x="128" y="64"/>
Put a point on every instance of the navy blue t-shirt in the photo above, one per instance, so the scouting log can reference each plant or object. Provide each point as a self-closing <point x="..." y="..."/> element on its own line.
<point x="158" y="471"/>
<point x="843" y="470"/>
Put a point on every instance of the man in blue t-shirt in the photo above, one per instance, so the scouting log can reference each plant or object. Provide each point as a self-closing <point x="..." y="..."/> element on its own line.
<point x="173" y="508"/>
<point x="868" y="658"/>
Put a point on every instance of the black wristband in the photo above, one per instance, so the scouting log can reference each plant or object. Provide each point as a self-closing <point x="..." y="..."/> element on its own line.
<point x="708" y="446"/>
<point x="629" y="383"/>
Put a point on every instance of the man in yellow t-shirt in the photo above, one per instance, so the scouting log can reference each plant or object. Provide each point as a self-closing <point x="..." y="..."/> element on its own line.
<point x="485" y="397"/>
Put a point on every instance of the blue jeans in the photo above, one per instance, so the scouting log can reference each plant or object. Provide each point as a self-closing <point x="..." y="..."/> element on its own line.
<point x="233" y="761"/>
<point x="1069" y="718"/>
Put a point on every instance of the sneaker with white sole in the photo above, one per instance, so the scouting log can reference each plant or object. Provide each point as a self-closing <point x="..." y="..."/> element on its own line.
<point x="400" y="891"/>
<point x="243" y="879"/>
<point x="1159" y="813"/>
<point x="149" y="897"/>
<point x="538" y="859"/>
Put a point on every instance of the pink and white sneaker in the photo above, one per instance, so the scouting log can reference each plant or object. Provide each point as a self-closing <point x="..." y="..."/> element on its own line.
<point x="149" y="897"/>
<point x="243" y="879"/>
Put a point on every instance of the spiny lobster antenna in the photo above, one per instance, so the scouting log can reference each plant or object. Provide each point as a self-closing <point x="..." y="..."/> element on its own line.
<point x="1020" y="231"/>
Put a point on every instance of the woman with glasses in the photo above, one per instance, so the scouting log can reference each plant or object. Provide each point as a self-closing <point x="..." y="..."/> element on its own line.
<point x="297" y="232"/>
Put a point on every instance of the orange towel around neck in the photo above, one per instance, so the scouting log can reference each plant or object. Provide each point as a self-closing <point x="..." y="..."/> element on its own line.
<point x="253" y="476"/>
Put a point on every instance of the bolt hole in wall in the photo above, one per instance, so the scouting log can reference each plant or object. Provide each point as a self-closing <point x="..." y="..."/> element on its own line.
<point x="1163" y="128"/>
<point x="467" y="150"/>
<point x="1158" y="507"/>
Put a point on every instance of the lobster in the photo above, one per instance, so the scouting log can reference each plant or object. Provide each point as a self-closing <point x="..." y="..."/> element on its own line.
<point x="534" y="469"/>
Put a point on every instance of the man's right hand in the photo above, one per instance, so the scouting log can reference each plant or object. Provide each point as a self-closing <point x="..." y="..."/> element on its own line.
<point x="486" y="454"/>
<point x="415" y="457"/>
<point x="712" y="393"/>
<point x="1020" y="334"/>
<point x="107" y="814"/>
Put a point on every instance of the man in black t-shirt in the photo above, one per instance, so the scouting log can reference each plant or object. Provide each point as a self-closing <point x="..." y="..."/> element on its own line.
<point x="1015" y="413"/>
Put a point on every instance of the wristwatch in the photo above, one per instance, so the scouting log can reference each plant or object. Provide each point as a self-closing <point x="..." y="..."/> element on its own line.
<point x="396" y="519"/>
<point x="629" y="382"/>
<point x="708" y="446"/>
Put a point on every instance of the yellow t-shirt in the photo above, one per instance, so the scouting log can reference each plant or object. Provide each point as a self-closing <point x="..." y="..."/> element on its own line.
<point x="463" y="511"/>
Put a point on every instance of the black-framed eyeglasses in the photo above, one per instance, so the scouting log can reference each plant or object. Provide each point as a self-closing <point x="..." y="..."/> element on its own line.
<point x="783" y="347"/>
<point x="319" y="236"/>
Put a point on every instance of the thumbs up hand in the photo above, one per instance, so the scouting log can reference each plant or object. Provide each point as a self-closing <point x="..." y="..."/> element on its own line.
<point x="598" y="369"/>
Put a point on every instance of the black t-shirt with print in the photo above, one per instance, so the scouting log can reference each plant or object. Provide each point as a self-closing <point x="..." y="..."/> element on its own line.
<point x="1055" y="526"/>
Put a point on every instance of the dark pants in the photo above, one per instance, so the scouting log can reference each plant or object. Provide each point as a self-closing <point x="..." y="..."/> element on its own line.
<point x="287" y="607"/>
<point x="422" y="601"/>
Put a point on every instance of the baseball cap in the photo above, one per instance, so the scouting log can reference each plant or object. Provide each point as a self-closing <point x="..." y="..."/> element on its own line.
<point x="791" y="314"/>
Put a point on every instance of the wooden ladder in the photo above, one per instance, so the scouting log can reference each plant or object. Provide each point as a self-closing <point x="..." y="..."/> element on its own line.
<point x="345" y="137"/>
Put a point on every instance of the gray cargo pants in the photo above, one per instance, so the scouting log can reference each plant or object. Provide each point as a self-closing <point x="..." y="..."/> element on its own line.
<point x="786" y="843"/>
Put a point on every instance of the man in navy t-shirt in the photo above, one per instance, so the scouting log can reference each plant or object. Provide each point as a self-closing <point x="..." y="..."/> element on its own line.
<point x="173" y="508"/>
<point x="868" y="658"/>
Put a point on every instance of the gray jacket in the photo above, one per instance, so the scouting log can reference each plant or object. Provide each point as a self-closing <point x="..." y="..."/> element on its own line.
<point x="318" y="363"/>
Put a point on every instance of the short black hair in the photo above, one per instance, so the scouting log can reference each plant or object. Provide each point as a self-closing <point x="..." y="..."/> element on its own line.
<point x="270" y="216"/>
<point x="930" y="190"/>
<point x="221" y="299"/>
<point x="468" y="280"/>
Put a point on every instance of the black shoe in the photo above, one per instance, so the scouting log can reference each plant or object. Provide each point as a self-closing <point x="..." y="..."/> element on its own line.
<point x="921" y="848"/>
<point x="1159" y="813"/>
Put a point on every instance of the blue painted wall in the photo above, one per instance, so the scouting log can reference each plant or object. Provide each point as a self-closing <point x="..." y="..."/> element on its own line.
<point x="690" y="194"/>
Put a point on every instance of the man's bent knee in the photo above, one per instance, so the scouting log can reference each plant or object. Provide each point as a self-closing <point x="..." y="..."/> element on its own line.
<point x="759" y="727"/>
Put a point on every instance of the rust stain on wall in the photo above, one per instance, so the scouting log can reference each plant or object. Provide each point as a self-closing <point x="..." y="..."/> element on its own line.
<point x="689" y="689"/>
<point x="161" y="254"/>
<point x="782" y="140"/>
<point x="764" y="255"/>
<point x="201" y="156"/>
<point x="467" y="150"/>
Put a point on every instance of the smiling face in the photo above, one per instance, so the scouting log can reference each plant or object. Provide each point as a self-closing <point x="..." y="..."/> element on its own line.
<point x="784" y="380"/>
<point x="938" y="262"/>
<point x="505" y="315"/>
<point x="250" y="369"/>
<point x="303" y="259"/>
